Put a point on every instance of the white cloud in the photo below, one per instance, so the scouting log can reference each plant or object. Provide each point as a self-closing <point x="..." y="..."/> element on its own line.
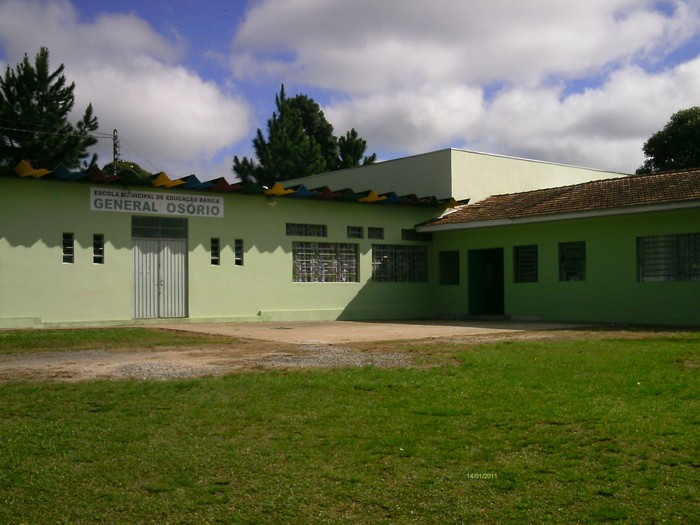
<point x="365" y="45"/>
<point x="166" y="112"/>
<point x="504" y="76"/>
<point x="604" y="127"/>
<point x="415" y="120"/>
<point x="575" y="82"/>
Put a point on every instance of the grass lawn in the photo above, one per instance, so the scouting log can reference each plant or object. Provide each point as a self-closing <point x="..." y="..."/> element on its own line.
<point x="522" y="432"/>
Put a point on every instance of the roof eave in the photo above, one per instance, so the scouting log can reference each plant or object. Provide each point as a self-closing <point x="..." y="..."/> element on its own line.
<point x="559" y="217"/>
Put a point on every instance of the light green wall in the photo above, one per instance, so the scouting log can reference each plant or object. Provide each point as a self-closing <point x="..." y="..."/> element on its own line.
<point x="263" y="287"/>
<point x="610" y="292"/>
<point x="35" y="285"/>
<point x="37" y="288"/>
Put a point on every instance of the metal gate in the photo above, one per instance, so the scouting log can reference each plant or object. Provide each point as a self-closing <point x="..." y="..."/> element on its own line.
<point x="160" y="278"/>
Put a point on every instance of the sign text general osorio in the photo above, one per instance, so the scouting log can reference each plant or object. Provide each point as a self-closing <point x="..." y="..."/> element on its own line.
<point x="151" y="202"/>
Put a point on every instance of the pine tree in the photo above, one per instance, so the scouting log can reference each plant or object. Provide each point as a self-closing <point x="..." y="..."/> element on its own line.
<point x="316" y="126"/>
<point x="351" y="149"/>
<point x="34" y="109"/>
<point x="300" y="142"/>
<point x="287" y="153"/>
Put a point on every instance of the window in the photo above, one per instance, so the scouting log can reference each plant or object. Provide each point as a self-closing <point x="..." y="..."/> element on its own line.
<point x="399" y="264"/>
<point x="668" y="258"/>
<point x="375" y="233"/>
<point x="158" y="228"/>
<point x="572" y="261"/>
<point x="356" y="232"/>
<point x="307" y="230"/>
<point x="68" y="248"/>
<point x="324" y="262"/>
<point x="215" y="252"/>
<point x="413" y="235"/>
<point x="98" y="248"/>
<point x="238" y="252"/>
<point x="525" y="264"/>
<point x="449" y="268"/>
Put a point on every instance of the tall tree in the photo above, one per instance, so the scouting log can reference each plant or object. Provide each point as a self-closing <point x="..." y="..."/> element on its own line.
<point x="351" y="149"/>
<point x="34" y="108"/>
<point x="287" y="153"/>
<point x="675" y="147"/>
<point x="300" y="142"/>
<point x="317" y="127"/>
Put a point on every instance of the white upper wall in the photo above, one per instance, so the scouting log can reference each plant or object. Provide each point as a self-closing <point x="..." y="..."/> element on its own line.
<point x="455" y="173"/>
<point x="425" y="174"/>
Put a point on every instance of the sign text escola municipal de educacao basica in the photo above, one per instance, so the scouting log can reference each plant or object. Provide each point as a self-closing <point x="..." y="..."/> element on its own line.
<point x="151" y="202"/>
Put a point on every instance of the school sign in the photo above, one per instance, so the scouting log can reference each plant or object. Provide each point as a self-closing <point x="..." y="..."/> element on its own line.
<point x="151" y="202"/>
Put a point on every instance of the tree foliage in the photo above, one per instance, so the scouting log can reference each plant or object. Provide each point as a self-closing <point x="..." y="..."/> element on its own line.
<point x="299" y="142"/>
<point x="351" y="149"/>
<point x="34" y="108"/>
<point x="128" y="171"/>
<point x="675" y="147"/>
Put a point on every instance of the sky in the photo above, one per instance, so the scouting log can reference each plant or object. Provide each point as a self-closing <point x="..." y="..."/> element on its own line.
<point x="187" y="83"/>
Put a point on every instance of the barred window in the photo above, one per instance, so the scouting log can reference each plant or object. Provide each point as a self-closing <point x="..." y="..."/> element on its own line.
<point x="68" y="248"/>
<point x="307" y="230"/>
<point x="356" y="232"/>
<point x="413" y="235"/>
<point x="238" y="252"/>
<point x="324" y="262"/>
<point x="399" y="264"/>
<point x="668" y="258"/>
<point x="158" y="227"/>
<point x="98" y="248"/>
<point x="375" y="233"/>
<point x="525" y="264"/>
<point x="572" y="261"/>
<point x="449" y="267"/>
<point x="215" y="251"/>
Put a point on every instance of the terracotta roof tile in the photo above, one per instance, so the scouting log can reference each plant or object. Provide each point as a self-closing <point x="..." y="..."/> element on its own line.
<point x="629" y="191"/>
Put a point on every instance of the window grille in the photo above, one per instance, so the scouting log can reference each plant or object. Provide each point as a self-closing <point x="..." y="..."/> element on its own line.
<point x="356" y="232"/>
<point x="238" y="252"/>
<point x="375" y="233"/>
<point x="324" y="262"/>
<point x="307" y="230"/>
<point x="413" y="235"/>
<point x="572" y="261"/>
<point x="68" y="248"/>
<point x="525" y="264"/>
<point x="668" y="258"/>
<point x="449" y="268"/>
<point x="399" y="264"/>
<point x="98" y="248"/>
<point x="158" y="228"/>
<point x="215" y="251"/>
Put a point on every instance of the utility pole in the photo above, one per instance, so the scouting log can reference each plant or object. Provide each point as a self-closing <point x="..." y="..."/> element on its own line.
<point x="115" y="144"/>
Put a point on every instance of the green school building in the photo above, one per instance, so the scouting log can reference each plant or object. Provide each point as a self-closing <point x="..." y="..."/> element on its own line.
<point x="448" y="234"/>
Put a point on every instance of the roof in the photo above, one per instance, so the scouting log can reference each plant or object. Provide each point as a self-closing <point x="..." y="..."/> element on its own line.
<point x="221" y="185"/>
<point x="615" y="194"/>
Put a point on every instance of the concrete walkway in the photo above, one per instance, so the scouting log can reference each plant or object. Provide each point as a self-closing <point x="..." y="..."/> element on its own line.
<point x="334" y="332"/>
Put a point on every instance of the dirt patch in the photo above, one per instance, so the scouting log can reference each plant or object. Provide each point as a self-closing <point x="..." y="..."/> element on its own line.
<point x="180" y="363"/>
<point x="237" y="354"/>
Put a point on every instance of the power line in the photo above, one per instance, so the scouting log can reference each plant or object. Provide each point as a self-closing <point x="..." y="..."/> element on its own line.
<point x="144" y="158"/>
<point x="97" y="135"/>
<point x="116" y="141"/>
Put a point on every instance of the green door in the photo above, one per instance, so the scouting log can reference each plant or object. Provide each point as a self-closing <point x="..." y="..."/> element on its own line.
<point x="486" y="288"/>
